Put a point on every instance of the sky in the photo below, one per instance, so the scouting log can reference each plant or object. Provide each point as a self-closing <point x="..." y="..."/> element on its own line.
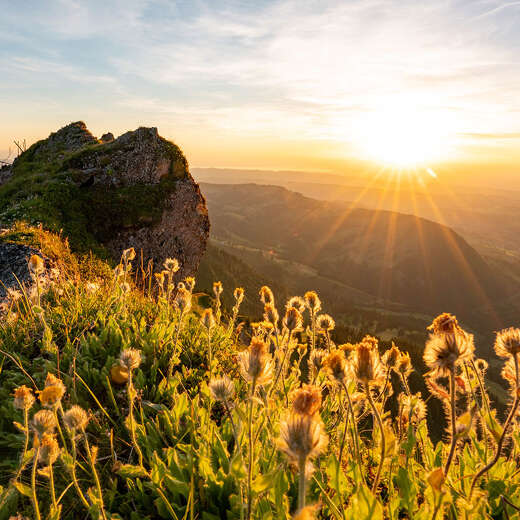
<point x="287" y="84"/>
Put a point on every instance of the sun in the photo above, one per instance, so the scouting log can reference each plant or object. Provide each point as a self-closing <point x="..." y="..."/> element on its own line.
<point x="400" y="136"/>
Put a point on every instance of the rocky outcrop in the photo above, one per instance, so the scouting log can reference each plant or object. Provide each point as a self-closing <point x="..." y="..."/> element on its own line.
<point x="133" y="191"/>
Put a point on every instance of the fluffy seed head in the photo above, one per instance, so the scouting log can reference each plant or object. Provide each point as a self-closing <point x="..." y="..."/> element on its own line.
<point x="75" y="418"/>
<point x="507" y="342"/>
<point x="190" y="283"/>
<point x="302" y="437"/>
<point x="183" y="300"/>
<point x="217" y="289"/>
<point x="44" y="422"/>
<point x="255" y="363"/>
<point x="23" y="398"/>
<point x="445" y="323"/>
<point x="337" y="366"/>
<point x="482" y="365"/>
<point x="367" y="364"/>
<point x="306" y="400"/>
<point x="238" y="294"/>
<point x="404" y="364"/>
<point x="207" y="319"/>
<point x="171" y="265"/>
<point x="325" y="322"/>
<point x="36" y="264"/>
<point x="130" y="358"/>
<point x="293" y="319"/>
<point x="297" y="302"/>
<point x="312" y="301"/>
<point x="49" y="449"/>
<point x="316" y="360"/>
<point x="390" y="357"/>
<point x="271" y="314"/>
<point x="222" y="389"/>
<point x="128" y="254"/>
<point x="266" y="295"/>
<point x="51" y="395"/>
<point x="444" y="351"/>
<point x="413" y="408"/>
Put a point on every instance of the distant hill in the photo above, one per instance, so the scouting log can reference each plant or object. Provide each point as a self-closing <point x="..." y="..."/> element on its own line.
<point x="371" y="257"/>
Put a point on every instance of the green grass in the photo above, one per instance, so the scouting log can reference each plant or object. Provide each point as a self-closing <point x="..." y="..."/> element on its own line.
<point x="208" y="459"/>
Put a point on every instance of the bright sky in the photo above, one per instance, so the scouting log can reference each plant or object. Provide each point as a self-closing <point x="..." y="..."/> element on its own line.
<point x="288" y="84"/>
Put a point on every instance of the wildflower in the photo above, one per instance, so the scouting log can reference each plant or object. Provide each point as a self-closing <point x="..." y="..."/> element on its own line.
<point x="507" y="342"/>
<point x="482" y="365"/>
<point x="23" y="398"/>
<point x="52" y="380"/>
<point x="325" y="322"/>
<point x="255" y="363"/>
<point x="412" y="407"/>
<point x="404" y="364"/>
<point x="312" y="301"/>
<point x="49" y="449"/>
<point x="183" y="300"/>
<point x="181" y="285"/>
<point x="271" y="314"/>
<point x="171" y="265"/>
<point x="51" y="395"/>
<point x="337" y="366"/>
<point x="316" y="360"/>
<point x="190" y="283"/>
<point x="391" y="357"/>
<point x="44" y="421"/>
<point x="13" y="294"/>
<point x="130" y="358"/>
<point x="222" y="389"/>
<point x="266" y="295"/>
<point x="159" y="279"/>
<point x="307" y="400"/>
<point x="444" y="351"/>
<point x="75" y="418"/>
<point x="207" y="319"/>
<point x="36" y="265"/>
<point x="302" y="437"/>
<point x="128" y="254"/>
<point x="366" y="364"/>
<point x="445" y="323"/>
<point x="217" y="289"/>
<point x="238" y="294"/>
<point x="370" y="341"/>
<point x="297" y="302"/>
<point x="293" y="319"/>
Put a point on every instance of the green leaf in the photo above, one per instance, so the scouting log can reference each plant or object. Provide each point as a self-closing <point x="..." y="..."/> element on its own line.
<point x="130" y="471"/>
<point x="23" y="489"/>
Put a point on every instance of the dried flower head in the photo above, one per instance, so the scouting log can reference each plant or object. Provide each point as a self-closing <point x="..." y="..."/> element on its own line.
<point x="23" y="398"/>
<point x="266" y="295"/>
<point x="128" y="254"/>
<point x="444" y="351"/>
<point x="412" y="407"/>
<point x="183" y="300"/>
<point x="404" y="365"/>
<point x="325" y="322"/>
<point x="207" y="319"/>
<point x="255" y="363"/>
<point x="75" y="418"/>
<point x="130" y="358"/>
<point x="391" y="357"/>
<point x="367" y="364"/>
<point x="507" y="342"/>
<point x="49" y="449"/>
<point x="312" y="301"/>
<point x="51" y="395"/>
<point x="302" y="437"/>
<point x="370" y="341"/>
<point x="13" y="295"/>
<point x="159" y="279"/>
<point x="36" y="265"/>
<point x="481" y="364"/>
<point x="445" y="323"/>
<point x="306" y="400"/>
<point x="222" y="389"/>
<point x="238" y="294"/>
<point x="171" y="265"/>
<point x="217" y="289"/>
<point x="190" y="283"/>
<point x="337" y="366"/>
<point x="181" y="285"/>
<point x="297" y="302"/>
<point x="293" y="320"/>
<point x="316" y="360"/>
<point x="44" y="421"/>
<point x="271" y="314"/>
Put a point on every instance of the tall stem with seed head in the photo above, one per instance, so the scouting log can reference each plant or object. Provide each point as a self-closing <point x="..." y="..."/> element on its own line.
<point x="302" y="484"/>
<point x="377" y="417"/>
<point x="95" y="475"/>
<point x="453" y="419"/>
<point x="73" y="470"/>
<point x="53" y="490"/>
<point x="33" y="484"/>
<point x="251" y="449"/>
<point x="500" y="443"/>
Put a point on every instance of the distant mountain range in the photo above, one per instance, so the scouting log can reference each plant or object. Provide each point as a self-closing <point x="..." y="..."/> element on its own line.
<point x="358" y="257"/>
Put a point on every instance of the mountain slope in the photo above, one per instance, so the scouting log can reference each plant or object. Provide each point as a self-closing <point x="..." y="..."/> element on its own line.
<point x="396" y="258"/>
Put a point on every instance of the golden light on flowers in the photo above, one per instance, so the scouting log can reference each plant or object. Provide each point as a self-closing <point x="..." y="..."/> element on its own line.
<point x="207" y="320"/>
<point x="436" y="479"/>
<point x="297" y="302"/>
<point x="128" y="254"/>
<point x="444" y="351"/>
<point x="266" y="295"/>
<point x="222" y="389"/>
<point x="36" y="264"/>
<point x="190" y="283"/>
<point x="316" y="360"/>
<point x="307" y="513"/>
<point x="49" y="449"/>
<point x="171" y="265"/>
<point x="23" y="398"/>
<point x="293" y="319"/>
<point x="306" y="400"/>
<point x="238" y="294"/>
<point x="325" y="322"/>
<point x="183" y="300"/>
<point x="507" y="342"/>
<point x="445" y="323"/>
<point x="412" y="408"/>
<point x="271" y="314"/>
<point x="391" y="357"/>
<point x="44" y="421"/>
<point x="255" y="363"/>
<point x="302" y="437"/>
<point x="366" y="364"/>
<point x="217" y="289"/>
<point x="119" y="374"/>
<point x="51" y="395"/>
<point x="75" y="418"/>
<point x="404" y="364"/>
<point x="52" y="380"/>
<point x="312" y="301"/>
<point x="337" y="366"/>
<point x="130" y="358"/>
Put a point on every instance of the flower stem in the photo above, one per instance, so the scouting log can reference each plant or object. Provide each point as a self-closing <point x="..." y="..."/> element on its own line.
<point x="53" y="490"/>
<point x="131" y="393"/>
<point x="73" y="470"/>
<point x="453" y="424"/>
<point x="301" y="483"/>
<point x="95" y="475"/>
<point x="33" y="484"/>
<point x="250" y="462"/>
<point x="383" y="446"/>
